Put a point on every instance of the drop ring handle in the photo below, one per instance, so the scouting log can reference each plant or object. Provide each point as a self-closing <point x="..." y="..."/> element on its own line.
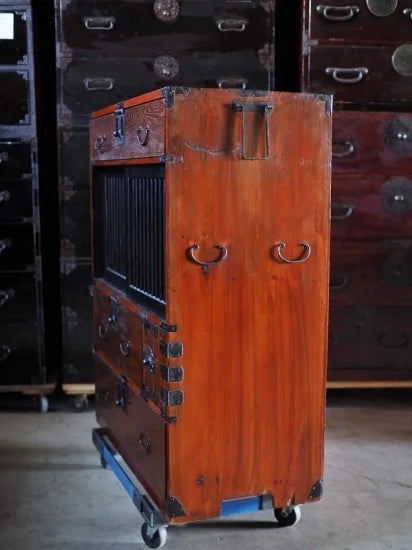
<point x="385" y="343"/>
<point x="5" y="351"/>
<point x="347" y="148"/>
<point x="337" y="13"/>
<point x="307" y="251"/>
<point x="342" y="75"/>
<point x="124" y="347"/>
<point x="143" y="135"/>
<point x="205" y="265"/>
<point x="103" y="331"/>
<point x="408" y="12"/>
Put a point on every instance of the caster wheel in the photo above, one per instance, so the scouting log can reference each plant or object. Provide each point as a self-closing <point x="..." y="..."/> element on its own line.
<point x="79" y="403"/>
<point x="103" y="463"/>
<point x="154" y="538"/>
<point x="42" y="404"/>
<point x="288" y="516"/>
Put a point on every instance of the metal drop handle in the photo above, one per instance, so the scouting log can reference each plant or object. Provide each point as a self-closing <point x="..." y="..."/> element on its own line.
<point x="99" y="23"/>
<point x="307" y="251"/>
<point x="145" y="443"/>
<point x="125" y="348"/>
<point x="4" y="297"/>
<point x="99" y="84"/>
<point x="408" y="13"/>
<point x="4" y="196"/>
<point x="143" y="135"/>
<point x="403" y="342"/>
<point x="103" y="331"/>
<point x="232" y="25"/>
<point x="343" y="282"/>
<point x="5" y="243"/>
<point x="98" y="144"/>
<point x="5" y="351"/>
<point x="346" y="208"/>
<point x="343" y="13"/>
<point x="232" y="83"/>
<point x="4" y="157"/>
<point x="205" y="265"/>
<point x="348" y="148"/>
<point x="335" y="73"/>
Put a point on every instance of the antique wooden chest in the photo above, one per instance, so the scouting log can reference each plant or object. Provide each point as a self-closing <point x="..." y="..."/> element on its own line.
<point x="211" y="262"/>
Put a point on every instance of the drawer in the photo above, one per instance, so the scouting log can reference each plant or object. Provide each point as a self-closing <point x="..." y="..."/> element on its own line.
<point x="75" y="222"/>
<point x="13" y="49"/>
<point x="14" y="98"/>
<point x="18" y="302"/>
<point x="15" y="160"/>
<point x="362" y="74"/>
<point x="139" y="432"/>
<point x="19" y="353"/>
<point x="371" y="273"/>
<point x="16" y="199"/>
<point x="16" y="246"/>
<point x="366" y="21"/>
<point x="363" y="140"/>
<point x="88" y="85"/>
<point x="370" y="337"/>
<point x="96" y="27"/>
<point x="73" y="163"/>
<point x="374" y="206"/>
<point x="140" y="132"/>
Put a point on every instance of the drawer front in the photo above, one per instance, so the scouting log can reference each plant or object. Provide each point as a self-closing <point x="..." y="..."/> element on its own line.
<point x="362" y="74"/>
<point x="19" y="353"/>
<point x="139" y="432"/>
<point x="13" y="49"/>
<point x="88" y="85"/>
<point x="371" y="207"/>
<point x="18" y="301"/>
<point x="370" y="337"/>
<point x="140" y="132"/>
<point x="362" y="141"/>
<point x="15" y="160"/>
<point x="97" y="27"/>
<point x="75" y="222"/>
<point x="16" y="199"/>
<point x="74" y="162"/>
<point x="16" y="246"/>
<point x="372" y="21"/>
<point x="14" y="98"/>
<point x="371" y="273"/>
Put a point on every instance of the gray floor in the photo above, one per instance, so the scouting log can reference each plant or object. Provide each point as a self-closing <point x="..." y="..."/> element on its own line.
<point x="54" y="494"/>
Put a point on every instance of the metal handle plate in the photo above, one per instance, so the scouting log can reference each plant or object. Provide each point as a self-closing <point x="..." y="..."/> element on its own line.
<point x="99" y="84"/>
<point x="347" y="148"/>
<point x="307" y="251"/>
<point x="229" y="82"/>
<point x="337" y="13"/>
<point x="99" y="23"/>
<point x="342" y="75"/>
<point x="232" y="24"/>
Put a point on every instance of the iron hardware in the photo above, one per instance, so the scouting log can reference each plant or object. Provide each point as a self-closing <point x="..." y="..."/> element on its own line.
<point x="171" y="374"/>
<point x="112" y="320"/>
<point x="4" y="196"/>
<point x="232" y="25"/>
<point x="146" y="443"/>
<point x="205" y="265"/>
<point x="171" y="398"/>
<point x="344" y="278"/>
<point x="5" y="243"/>
<point x="5" y="295"/>
<point x="359" y="73"/>
<point x="119" y="124"/>
<point x="346" y="208"/>
<point x="402" y="343"/>
<point x="103" y="331"/>
<point x="148" y="360"/>
<point x="229" y="82"/>
<point x="4" y="157"/>
<point x="99" y="23"/>
<point x="300" y="259"/>
<point x="408" y="13"/>
<point x="168" y="328"/>
<point x="98" y="144"/>
<point x="121" y="400"/>
<point x="254" y="107"/>
<point x="99" y="84"/>
<point x="348" y="148"/>
<point x="143" y="135"/>
<point x="125" y="347"/>
<point x="5" y="351"/>
<point x="171" y="349"/>
<point x="343" y="13"/>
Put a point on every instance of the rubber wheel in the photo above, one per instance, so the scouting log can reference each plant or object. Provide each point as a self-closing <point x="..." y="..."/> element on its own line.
<point x="79" y="403"/>
<point x="42" y="404"/>
<point x="288" y="516"/>
<point x="157" y="540"/>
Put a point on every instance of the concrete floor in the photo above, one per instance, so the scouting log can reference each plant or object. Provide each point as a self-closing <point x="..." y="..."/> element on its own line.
<point x="55" y="495"/>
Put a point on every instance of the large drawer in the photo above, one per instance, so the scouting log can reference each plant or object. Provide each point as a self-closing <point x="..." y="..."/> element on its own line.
<point x="14" y="97"/>
<point x="16" y="246"/>
<point x="13" y="49"/>
<point x="16" y="199"/>
<point x="19" y="353"/>
<point x="360" y="21"/>
<point x="139" y="432"/>
<point x="18" y="302"/>
<point x="98" y="27"/>
<point x="362" y="74"/>
<point x="371" y="272"/>
<point x="15" y="160"/>
<point x="371" y="206"/>
<point x="370" y="337"/>
<point x="363" y="141"/>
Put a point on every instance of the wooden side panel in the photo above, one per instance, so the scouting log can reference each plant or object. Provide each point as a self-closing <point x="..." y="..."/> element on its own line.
<point x="254" y="328"/>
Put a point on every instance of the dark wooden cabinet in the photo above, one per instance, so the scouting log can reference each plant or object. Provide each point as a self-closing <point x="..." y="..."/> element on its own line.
<point x="210" y="293"/>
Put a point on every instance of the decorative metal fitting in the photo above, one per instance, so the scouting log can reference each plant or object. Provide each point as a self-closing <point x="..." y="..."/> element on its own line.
<point x="206" y="265"/>
<point x="300" y="259"/>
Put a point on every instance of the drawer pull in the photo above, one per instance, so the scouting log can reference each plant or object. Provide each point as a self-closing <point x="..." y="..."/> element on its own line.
<point x="232" y="25"/>
<point x="99" y="84"/>
<point x="5" y="243"/>
<point x="338" y="73"/>
<point x="5" y="351"/>
<point x="4" y="196"/>
<point x="125" y="348"/>
<point x="385" y="342"/>
<point x="98" y="144"/>
<point x="408" y="13"/>
<point x="99" y="23"/>
<point x="346" y="209"/>
<point x="143" y="135"/>
<point x="346" y="148"/>
<point x="205" y="265"/>
<point x="307" y="251"/>
<point x="121" y="400"/>
<point x="4" y="157"/>
<point x="228" y="82"/>
<point x="103" y="331"/>
<point x="340" y="281"/>
<point x="5" y="296"/>
<point x="145" y="443"/>
<point x="337" y="13"/>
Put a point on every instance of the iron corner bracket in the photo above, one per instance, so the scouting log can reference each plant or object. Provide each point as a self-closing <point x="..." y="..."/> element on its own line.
<point x="174" y="508"/>
<point x="169" y="93"/>
<point x="316" y="491"/>
<point x="328" y="99"/>
<point x="168" y="328"/>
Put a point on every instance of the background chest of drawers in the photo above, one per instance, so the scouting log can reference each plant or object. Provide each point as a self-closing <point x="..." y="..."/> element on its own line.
<point x="109" y="51"/>
<point x="362" y="53"/>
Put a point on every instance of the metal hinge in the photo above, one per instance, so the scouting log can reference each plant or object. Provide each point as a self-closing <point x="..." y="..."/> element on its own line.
<point x="171" y="374"/>
<point x="171" y="349"/>
<point x="119" y="133"/>
<point x="171" y="398"/>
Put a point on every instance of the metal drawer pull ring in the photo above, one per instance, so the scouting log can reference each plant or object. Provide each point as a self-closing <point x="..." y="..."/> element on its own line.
<point x="103" y="331"/>
<point x="385" y="343"/>
<point x="99" y="23"/>
<point x="347" y="211"/>
<point x="206" y="265"/>
<point x="334" y="72"/>
<point x="143" y="135"/>
<point x="4" y="297"/>
<point x="307" y="251"/>
<point x="125" y="348"/>
<point x="340" y="282"/>
<point x="348" y="148"/>
<point x="346" y="13"/>
<point x="408" y="13"/>
<point x="5" y="351"/>
<point x="98" y="144"/>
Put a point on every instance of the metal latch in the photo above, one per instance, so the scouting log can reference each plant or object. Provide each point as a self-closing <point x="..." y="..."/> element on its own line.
<point x="249" y="150"/>
<point x="112" y="320"/>
<point x="121" y="400"/>
<point x="119" y="124"/>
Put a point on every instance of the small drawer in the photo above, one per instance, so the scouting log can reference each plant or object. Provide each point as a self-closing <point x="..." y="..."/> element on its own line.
<point x="18" y="302"/>
<point x="371" y="273"/>
<point x="16" y="201"/>
<point x="19" y="353"/>
<point x="15" y="160"/>
<point x="16" y="246"/>
<point x="363" y="140"/>
<point x="14" y="98"/>
<point x="139" y="432"/>
<point x="371" y="206"/>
